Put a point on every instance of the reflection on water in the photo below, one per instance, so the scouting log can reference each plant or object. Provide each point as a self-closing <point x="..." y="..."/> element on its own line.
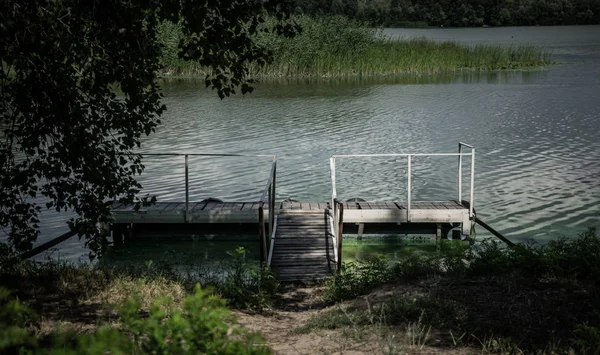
<point x="202" y="259"/>
<point x="392" y="247"/>
<point x="536" y="132"/>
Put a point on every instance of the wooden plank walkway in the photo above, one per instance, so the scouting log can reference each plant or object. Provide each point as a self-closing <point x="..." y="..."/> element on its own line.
<point x="208" y="212"/>
<point x="199" y="212"/>
<point x="303" y="246"/>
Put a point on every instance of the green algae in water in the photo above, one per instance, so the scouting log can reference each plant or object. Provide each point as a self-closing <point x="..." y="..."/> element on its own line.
<point x="393" y="247"/>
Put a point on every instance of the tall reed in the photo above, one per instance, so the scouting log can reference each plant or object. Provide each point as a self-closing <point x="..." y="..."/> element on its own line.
<point x="335" y="46"/>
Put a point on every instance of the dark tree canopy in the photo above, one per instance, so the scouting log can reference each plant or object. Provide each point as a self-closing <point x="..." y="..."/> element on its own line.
<point x="460" y="13"/>
<point x="78" y="90"/>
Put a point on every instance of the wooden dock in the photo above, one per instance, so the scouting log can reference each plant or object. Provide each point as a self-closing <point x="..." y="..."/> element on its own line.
<point x="302" y="246"/>
<point x="302" y="241"/>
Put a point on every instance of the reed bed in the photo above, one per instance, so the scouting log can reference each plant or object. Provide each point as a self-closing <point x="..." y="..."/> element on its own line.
<point x="337" y="47"/>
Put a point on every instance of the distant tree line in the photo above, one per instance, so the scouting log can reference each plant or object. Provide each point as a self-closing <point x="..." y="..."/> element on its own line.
<point x="461" y="13"/>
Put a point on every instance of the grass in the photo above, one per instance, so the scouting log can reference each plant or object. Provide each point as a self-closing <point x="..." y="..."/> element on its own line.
<point x="90" y="309"/>
<point x="484" y="298"/>
<point x="238" y="281"/>
<point x="337" y="47"/>
<point x="527" y="299"/>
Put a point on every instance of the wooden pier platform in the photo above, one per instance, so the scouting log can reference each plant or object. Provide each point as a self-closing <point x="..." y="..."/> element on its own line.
<point x="302" y="246"/>
<point x="365" y="212"/>
<point x="303" y="240"/>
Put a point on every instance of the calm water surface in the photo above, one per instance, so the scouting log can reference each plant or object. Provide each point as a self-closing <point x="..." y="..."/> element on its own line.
<point x="537" y="135"/>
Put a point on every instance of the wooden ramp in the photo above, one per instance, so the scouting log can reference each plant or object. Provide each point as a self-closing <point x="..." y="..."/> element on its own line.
<point x="302" y="249"/>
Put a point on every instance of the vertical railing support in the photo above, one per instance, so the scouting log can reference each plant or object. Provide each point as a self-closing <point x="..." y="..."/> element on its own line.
<point x="187" y="190"/>
<point x="270" y="210"/>
<point x="409" y="188"/>
<point x="339" y="236"/>
<point x="272" y="201"/>
<point x="471" y="197"/>
<point x="459" y="172"/>
<point x="333" y="188"/>
<point x="261" y="233"/>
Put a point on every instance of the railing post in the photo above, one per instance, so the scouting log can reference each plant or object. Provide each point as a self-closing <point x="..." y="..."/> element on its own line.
<point x="272" y="207"/>
<point x="340" y="231"/>
<point x="409" y="188"/>
<point x="261" y="234"/>
<point x="333" y="188"/>
<point x="459" y="172"/>
<point x="187" y="190"/>
<point x="472" y="196"/>
<point x="270" y="210"/>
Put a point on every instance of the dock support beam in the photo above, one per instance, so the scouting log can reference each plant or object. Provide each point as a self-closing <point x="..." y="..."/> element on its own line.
<point x="187" y="190"/>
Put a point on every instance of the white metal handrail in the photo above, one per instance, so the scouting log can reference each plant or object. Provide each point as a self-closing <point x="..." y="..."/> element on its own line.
<point x="272" y="242"/>
<point x="409" y="157"/>
<point x="269" y="189"/>
<point x="334" y="233"/>
<point x="268" y="193"/>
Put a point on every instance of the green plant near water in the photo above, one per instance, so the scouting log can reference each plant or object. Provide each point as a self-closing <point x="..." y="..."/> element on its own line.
<point x="239" y="280"/>
<point x="569" y="258"/>
<point x="201" y="325"/>
<point x="335" y="46"/>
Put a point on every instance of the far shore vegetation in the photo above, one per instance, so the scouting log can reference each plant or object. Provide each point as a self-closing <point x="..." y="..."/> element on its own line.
<point x="483" y="298"/>
<point x="335" y="46"/>
<point x="464" y="13"/>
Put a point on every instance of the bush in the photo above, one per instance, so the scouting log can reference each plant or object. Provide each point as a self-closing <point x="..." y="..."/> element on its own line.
<point x="203" y="325"/>
<point x="356" y="278"/>
<point x="245" y="285"/>
<point x="573" y="259"/>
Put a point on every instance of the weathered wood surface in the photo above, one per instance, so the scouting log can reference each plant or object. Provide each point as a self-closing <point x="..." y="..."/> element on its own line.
<point x="199" y="212"/>
<point x="247" y="212"/>
<point x="302" y="249"/>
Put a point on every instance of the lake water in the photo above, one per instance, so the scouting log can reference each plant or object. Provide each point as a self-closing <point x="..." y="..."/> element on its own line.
<point x="537" y="135"/>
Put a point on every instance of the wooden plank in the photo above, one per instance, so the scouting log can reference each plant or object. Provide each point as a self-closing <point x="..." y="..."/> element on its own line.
<point x="199" y="206"/>
<point x="299" y="256"/>
<point x="363" y="205"/>
<point x="400" y="205"/>
<point x="300" y="226"/>
<point x="233" y="206"/>
<point x="301" y="243"/>
<point x="311" y="233"/>
<point x="172" y="207"/>
<point x="157" y="207"/>
<point x="308" y="222"/>
<point x="300" y="270"/>
<point x="318" y="260"/>
<point x="296" y="249"/>
<point x="213" y="206"/>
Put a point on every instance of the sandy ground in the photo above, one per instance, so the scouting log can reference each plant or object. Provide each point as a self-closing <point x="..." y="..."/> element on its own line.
<point x="298" y="304"/>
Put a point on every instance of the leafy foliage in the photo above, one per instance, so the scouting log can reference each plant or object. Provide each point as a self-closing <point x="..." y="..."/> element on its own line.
<point x="460" y="13"/>
<point x="203" y="325"/>
<point x="586" y="339"/>
<point x="78" y="91"/>
<point x="574" y="259"/>
<point x="245" y="285"/>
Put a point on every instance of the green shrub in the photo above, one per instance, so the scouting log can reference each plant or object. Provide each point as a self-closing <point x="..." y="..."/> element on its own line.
<point x="202" y="325"/>
<point x="573" y="259"/>
<point x="356" y="278"/>
<point x="586" y="339"/>
<point x="245" y="285"/>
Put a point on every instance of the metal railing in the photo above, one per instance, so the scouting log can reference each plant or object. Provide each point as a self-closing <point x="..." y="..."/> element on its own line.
<point x="337" y="229"/>
<point x="409" y="158"/>
<point x="472" y="184"/>
<point x="267" y="196"/>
